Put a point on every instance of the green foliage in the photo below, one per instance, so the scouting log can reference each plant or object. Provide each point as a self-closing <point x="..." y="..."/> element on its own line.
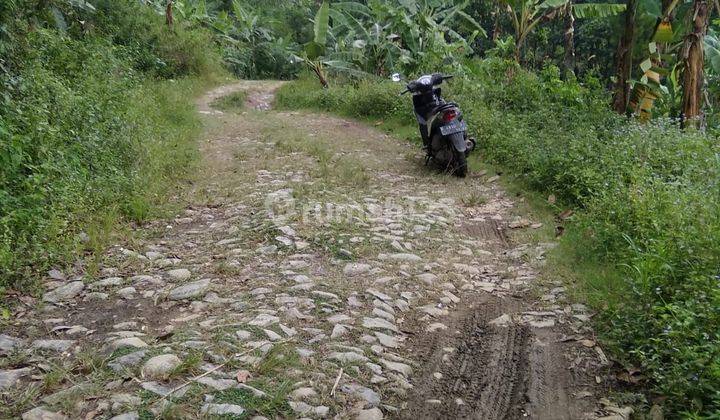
<point x="87" y="133"/>
<point x="648" y="199"/>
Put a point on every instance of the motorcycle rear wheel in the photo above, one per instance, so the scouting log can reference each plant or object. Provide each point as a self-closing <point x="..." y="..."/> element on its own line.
<point x="459" y="164"/>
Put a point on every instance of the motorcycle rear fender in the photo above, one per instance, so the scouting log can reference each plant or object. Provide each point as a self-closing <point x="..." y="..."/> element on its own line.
<point x="458" y="141"/>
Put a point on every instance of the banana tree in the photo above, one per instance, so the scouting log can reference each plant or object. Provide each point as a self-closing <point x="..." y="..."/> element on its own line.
<point x="573" y="11"/>
<point x="526" y="15"/>
<point x="315" y="53"/>
<point x="406" y="32"/>
<point x="693" y="57"/>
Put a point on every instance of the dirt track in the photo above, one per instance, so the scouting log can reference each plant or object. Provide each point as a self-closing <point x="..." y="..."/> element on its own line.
<point x="322" y="257"/>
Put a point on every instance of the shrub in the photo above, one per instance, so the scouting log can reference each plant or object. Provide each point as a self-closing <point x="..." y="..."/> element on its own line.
<point x="87" y="134"/>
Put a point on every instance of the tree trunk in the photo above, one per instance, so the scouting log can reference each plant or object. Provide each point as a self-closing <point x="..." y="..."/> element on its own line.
<point x="496" y="23"/>
<point x="693" y="74"/>
<point x="169" y="14"/>
<point x="569" y="37"/>
<point x="621" y="95"/>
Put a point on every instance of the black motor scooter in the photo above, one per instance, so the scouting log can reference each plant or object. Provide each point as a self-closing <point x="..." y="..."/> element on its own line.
<point x="443" y="130"/>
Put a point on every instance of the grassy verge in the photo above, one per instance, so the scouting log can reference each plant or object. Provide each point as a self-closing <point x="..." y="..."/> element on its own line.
<point x="97" y="127"/>
<point x="643" y="246"/>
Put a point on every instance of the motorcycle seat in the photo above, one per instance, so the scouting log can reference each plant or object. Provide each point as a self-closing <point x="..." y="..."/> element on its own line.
<point x="444" y="106"/>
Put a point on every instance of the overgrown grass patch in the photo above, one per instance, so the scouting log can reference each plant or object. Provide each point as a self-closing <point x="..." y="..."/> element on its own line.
<point x="96" y="127"/>
<point x="234" y="102"/>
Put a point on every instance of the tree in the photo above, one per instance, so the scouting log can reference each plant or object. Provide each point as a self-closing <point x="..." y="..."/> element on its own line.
<point x="693" y="57"/>
<point x="527" y="14"/>
<point x="569" y="38"/>
<point x="621" y="94"/>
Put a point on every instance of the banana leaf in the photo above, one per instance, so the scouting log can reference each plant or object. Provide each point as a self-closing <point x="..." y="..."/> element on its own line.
<point x="322" y="23"/>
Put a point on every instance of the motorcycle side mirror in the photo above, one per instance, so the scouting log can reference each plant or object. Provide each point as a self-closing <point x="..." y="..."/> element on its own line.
<point x="396" y="77"/>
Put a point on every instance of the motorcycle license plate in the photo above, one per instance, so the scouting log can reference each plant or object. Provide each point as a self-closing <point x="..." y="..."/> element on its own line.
<point x="453" y="127"/>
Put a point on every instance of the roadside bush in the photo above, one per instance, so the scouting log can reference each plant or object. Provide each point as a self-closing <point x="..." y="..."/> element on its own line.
<point x="151" y="47"/>
<point x="648" y="200"/>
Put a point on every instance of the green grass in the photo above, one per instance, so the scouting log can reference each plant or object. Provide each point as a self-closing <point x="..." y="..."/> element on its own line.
<point x="234" y="102"/>
<point x="274" y="405"/>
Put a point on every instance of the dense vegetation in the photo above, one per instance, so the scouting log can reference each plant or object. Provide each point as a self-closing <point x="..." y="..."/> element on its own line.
<point x="611" y="107"/>
<point x="96" y="121"/>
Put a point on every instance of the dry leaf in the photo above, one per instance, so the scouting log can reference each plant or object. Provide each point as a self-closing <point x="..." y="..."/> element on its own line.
<point x="242" y="376"/>
<point x="552" y="199"/>
<point x="565" y="214"/>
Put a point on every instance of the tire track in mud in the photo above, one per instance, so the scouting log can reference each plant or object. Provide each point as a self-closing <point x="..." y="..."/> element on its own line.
<point x="487" y="366"/>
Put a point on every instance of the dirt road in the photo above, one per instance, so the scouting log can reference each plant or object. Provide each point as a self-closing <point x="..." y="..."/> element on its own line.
<point x="318" y="270"/>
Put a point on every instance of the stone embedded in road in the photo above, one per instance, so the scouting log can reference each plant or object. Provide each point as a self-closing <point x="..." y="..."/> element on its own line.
<point x="433" y="310"/>
<point x="288" y="231"/>
<point x="41" y="413"/>
<point x="105" y="283"/>
<point x="355" y="269"/>
<point x="56" y="275"/>
<point x="127" y="361"/>
<point x="146" y="281"/>
<point x="368" y="395"/>
<point x="502" y="321"/>
<point x="127" y="292"/>
<point x="217" y="384"/>
<point x="326" y="295"/>
<point x="64" y="292"/>
<point x="163" y="391"/>
<point x="54" y="345"/>
<point x="8" y="378"/>
<point x="133" y="342"/>
<point x="401" y="368"/>
<point x="379" y="295"/>
<point x="303" y="393"/>
<point x="379" y="323"/>
<point x="370" y="414"/>
<point x="160" y="367"/>
<point x="243" y="335"/>
<point x="179" y="274"/>
<point x="8" y="343"/>
<point x="338" y="331"/>
<point x="466" y="269"/>
<point x="272" y="335"/>
<point x="338" y="318"/>
<point x="264" y="320"/>
<point x="427" y="278"/>
<point x="190" y="290"/>
<point x="348" y="357"/>
<point x="222" y="409"/>
<point x="383" y="314"/>
<point x="387" y="340"/>
<point x="405" y="257"/>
